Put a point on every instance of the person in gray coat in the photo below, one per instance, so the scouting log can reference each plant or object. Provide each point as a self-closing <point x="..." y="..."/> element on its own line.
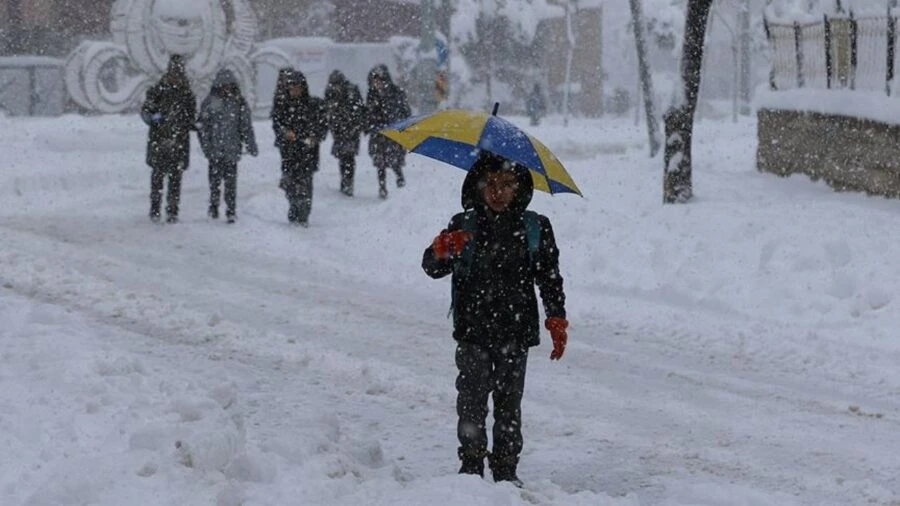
<point x="225" y="129"/>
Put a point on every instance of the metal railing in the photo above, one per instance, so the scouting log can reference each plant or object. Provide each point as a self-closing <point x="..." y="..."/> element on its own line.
<point x="838" y="52"/>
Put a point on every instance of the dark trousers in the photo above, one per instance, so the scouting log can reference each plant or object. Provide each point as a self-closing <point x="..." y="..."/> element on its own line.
<point x="347" y="164"/>
<point x="173" y="194"/>
<point x="297" y="183"/>
<point x="219" y="172"/>
<point x="486" y="370"/>
<point x="382" y="176"/>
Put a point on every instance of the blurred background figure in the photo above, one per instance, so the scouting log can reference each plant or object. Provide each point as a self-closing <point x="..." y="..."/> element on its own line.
<point x="386" y="103"/>
<point x="535" y="105"/>
<point x="344" y="109"/>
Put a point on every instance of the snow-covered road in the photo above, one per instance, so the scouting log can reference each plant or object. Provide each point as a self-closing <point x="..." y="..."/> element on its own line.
<point x="736" y="351"/>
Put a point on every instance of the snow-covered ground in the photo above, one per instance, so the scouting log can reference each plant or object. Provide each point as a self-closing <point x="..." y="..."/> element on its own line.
<point x="739" y="350"/>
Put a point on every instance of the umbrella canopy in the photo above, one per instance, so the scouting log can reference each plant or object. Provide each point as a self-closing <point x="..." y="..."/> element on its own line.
<point x="456" y="136"/>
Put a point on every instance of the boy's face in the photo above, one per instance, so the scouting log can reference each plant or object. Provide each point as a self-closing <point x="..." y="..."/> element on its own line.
<point x="499" y="190"/>
<point x="295" y="91"/>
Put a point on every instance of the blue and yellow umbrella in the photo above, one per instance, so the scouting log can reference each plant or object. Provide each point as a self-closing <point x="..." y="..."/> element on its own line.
<point x="456" y="137"/>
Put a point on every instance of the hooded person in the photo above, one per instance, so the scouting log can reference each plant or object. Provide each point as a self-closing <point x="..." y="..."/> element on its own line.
<point x="386" y="103"/>
<point x="169" y="109"/>
<point x="496" y="252"/>
<point x="535" y="105"/>
<point x="299" y="122"/>
<point x="344" y="109"/>
<point x="225" y="129"/>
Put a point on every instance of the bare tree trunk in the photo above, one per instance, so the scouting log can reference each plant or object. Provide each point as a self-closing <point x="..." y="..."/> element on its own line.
<point x="637" y="19"/>
<point x="679" y="120"/>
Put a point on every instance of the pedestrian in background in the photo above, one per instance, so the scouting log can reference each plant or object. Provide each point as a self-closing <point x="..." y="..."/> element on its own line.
<point x="345" y="111"/>
<point x="170" y="110"/>
<point x="225" y="129"/>
<point x="300" y="125"/>
<point x="386" y="103"/>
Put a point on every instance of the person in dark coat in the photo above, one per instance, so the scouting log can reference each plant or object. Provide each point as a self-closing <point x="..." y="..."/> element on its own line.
<point x="170" y="110"/>
<point x="300" y="125"/>
<point x="535" y="105"/>
<point x="385" y="104"/>
<point x="225" y="128"/>
<point x="284" y="75"/>
<point x="496" y="251"/>
<point x="345" y="111"/>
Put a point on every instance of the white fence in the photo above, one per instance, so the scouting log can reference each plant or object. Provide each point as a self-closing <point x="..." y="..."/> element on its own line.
<point x="31" y="86"/>
<point x="838" y="52"/>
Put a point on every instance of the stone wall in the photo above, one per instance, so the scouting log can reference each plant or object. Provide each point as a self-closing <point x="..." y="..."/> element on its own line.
<point x="850" y="154"/>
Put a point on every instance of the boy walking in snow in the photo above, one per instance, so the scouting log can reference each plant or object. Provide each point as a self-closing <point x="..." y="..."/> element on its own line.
<point x="496" y="251"/>
<point x="224" y="128"/>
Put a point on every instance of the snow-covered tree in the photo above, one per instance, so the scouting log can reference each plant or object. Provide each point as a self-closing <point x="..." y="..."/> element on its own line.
<point x="498" y="50"/>
<point x="679" y="119"/>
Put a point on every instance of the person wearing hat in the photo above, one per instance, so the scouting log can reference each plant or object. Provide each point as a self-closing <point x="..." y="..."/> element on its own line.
<point x="170" y="110"/>
<point x="496" y="252"/>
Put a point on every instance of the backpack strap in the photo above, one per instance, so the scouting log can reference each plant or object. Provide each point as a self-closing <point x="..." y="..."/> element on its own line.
<point x="533" y="234"/>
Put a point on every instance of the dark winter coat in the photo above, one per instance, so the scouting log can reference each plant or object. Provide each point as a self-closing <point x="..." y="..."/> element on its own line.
<point x="495" y="296"/>
<point x="345" y="111"/>
<point x="169" y="141"/>
<point x="305" y="116"/>
<point x="384" y="107"/>
<point x="225" y="126"/>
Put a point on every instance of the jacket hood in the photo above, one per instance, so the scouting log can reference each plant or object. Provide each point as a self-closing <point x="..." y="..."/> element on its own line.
<point x="297" y="78"/>
<point x="379" y="72"/>
<point x="471" y="197"/>
<point x="224" y="78"/>
<point x="337" y="78"/>
<point x="176" y="64"/>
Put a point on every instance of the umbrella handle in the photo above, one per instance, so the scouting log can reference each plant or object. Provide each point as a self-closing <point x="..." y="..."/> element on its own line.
<point x="496" y="107"/>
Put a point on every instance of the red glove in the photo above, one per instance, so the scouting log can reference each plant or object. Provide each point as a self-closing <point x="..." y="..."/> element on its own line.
<point x="557" y="327"/>
<point x="450" y="244"/>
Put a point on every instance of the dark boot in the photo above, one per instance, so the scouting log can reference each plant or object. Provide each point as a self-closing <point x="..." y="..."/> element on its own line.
<point x="504" y="469"/>
<point x="213" y="212"/>
<point x="472" y="462"/>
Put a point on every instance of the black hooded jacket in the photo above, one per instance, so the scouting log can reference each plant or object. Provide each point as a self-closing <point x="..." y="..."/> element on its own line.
<point x="224" y="126"/>
<point x="170" y="110"/>
<point x="495" y="296"/>
<point x="305" y="116"/>
<point x="383" y="107"/>
<point x="345" y="111"/>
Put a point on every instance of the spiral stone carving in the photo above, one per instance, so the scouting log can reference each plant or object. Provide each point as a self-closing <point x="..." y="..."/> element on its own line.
<point x="112" y="76"/>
